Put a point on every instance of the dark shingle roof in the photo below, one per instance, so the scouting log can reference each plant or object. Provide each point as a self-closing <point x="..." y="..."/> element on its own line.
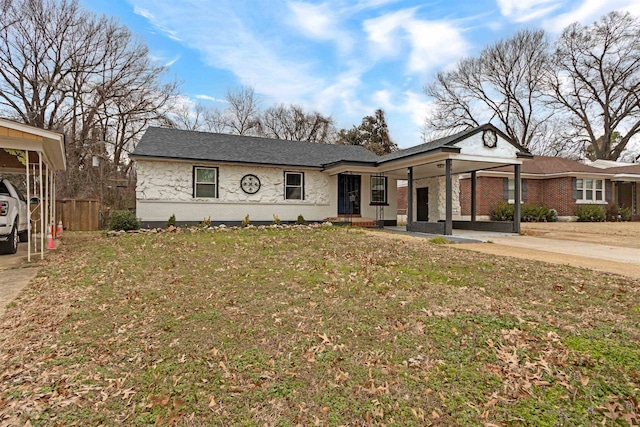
<point x="190" y="145"/>
<point x="426" y="147"/>
<point x="446" y="142"/>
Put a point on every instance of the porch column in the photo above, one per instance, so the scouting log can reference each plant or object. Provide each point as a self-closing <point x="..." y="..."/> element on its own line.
<point x="448" y="222"/>
<point x="634" y="198"/>
<point x="473" y="196"/>
<point x="29" y="231"/>
<point x="516" y="199"/>
<point x="409" y="198"/>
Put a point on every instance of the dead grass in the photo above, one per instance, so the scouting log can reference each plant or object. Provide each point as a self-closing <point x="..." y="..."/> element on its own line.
<point x="315" y="327"/>
<point x="624" y="234"/>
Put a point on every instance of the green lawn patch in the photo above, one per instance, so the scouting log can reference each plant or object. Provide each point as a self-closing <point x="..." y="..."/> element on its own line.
<point x="315" y="326"/>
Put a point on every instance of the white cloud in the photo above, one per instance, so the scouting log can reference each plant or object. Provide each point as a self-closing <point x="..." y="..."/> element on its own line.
<point x="527" y="10"/>
<point x="434" y="44"/>
<point x="209" y="98"/>
<point x="320" y="22"/>
<point x="385" y="32"/>
<point x="144" y="12"/>
<point x="590" y="11"/>
<point x="172" y="61"/>
<point x="431" y="43"/>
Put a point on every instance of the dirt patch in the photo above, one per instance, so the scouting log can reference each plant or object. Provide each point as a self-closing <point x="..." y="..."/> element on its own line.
<point x="622" y="234"/>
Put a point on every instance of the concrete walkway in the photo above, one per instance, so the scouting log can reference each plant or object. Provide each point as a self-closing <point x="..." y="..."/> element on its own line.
<point x="15" y="274"/>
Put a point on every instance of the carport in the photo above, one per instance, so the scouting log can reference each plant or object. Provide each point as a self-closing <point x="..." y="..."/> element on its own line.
<point x="38" y="154"/>
<point x="430" y="168"/>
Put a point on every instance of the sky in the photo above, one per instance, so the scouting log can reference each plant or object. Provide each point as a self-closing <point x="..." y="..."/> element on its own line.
<point x="342" y="58"/>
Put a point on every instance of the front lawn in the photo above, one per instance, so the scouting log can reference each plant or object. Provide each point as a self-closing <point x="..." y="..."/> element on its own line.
<point x="315" y="326"/>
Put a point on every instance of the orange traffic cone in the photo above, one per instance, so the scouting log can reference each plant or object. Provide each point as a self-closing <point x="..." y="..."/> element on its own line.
<point x="59" y="228"/>
<point x="50" y="243"/>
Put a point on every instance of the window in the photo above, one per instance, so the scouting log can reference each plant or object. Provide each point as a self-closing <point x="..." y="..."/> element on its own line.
<point x="205" y="182"/>
<point x="510" y="190"/>
<point x="589" y="190"/>
<point x="378" y="190"/>
<point x="294" y="186"/>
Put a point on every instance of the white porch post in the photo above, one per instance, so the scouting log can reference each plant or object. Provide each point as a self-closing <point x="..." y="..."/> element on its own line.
<point x="26" y="152"/>
<point x="42" y="226"/>
<point x="448" y="222"/>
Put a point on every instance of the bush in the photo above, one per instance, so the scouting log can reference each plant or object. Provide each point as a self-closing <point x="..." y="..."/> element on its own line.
<point x="590" y="213"/>
<point x="172" y="221"/>
<point x="205" y="223"/>
<point x="276" y="220"/>
<point x="300" y="220"/>
<point x="503" y="211"/>
<point x="618" y="213"/>
<point x="123" y="220"/>
<point x="541" y="213"/>
<point x="246" y="221"/>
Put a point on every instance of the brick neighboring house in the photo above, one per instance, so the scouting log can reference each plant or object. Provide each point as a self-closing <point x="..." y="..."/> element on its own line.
<point x="561" y="184"/>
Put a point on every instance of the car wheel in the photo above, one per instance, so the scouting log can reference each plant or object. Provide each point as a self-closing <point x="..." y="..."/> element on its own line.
<point x="11" y="245"/>
<point x="24" y="236"/>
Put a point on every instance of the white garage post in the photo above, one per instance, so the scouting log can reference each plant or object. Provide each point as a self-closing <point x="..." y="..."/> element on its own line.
<point x="41" y="207"/>
<point x="26" y="152"/>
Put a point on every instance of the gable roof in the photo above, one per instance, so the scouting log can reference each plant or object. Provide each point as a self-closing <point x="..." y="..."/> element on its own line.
<point x="163" y="143"/>
<point x="448" y="143"/>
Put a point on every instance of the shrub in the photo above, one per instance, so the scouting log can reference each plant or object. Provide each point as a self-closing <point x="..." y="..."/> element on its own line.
<point x="541" y="213"/>
<point x="504" y="211"/>
<point x="276" y="220"/>
<point x="123" y="220"/>
<point x="246" y="221"/>
<point x="618" y="213"/>
<point x="590" y="213"/>
<point x="172" y="221"/>
<point x="300" y="220"/>
<point x="206" y="222"/>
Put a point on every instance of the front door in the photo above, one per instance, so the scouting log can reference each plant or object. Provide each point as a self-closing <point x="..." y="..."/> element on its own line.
<point x="422" y="204"/>
<point x="348" y="194"/>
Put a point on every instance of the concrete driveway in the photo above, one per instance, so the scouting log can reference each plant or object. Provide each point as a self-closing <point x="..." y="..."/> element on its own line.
<point x="15" y="274"/>
<point x="603" y="257"/>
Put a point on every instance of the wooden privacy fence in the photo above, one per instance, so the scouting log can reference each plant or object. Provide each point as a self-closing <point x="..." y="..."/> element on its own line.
<point x="78" y="214"/>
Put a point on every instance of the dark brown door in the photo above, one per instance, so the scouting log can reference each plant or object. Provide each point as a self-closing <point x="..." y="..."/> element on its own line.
<point x="422" y="204"/>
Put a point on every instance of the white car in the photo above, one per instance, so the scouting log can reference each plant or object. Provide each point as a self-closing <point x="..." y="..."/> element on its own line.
<point x="14" y="224"/>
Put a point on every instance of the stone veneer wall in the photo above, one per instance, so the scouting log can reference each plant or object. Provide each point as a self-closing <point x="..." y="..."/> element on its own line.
<point x="438" y="197"/>
<point x="166" y="188"/>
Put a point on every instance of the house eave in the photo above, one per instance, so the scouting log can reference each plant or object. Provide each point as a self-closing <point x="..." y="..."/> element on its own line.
<point x="216" y="162"/>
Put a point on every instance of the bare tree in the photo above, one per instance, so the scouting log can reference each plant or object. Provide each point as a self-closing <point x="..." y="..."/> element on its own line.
<point x="188" y="117"/>
<point x="243" y="113"/>
<point x="65" y="69"/>
<point x="597" y="81"/>
<point x="293" y="123"/>
<point x="505" y="83"/>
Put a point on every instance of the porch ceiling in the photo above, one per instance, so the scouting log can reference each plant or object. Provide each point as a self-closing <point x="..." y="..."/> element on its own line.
<point x="428" y="170"/>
